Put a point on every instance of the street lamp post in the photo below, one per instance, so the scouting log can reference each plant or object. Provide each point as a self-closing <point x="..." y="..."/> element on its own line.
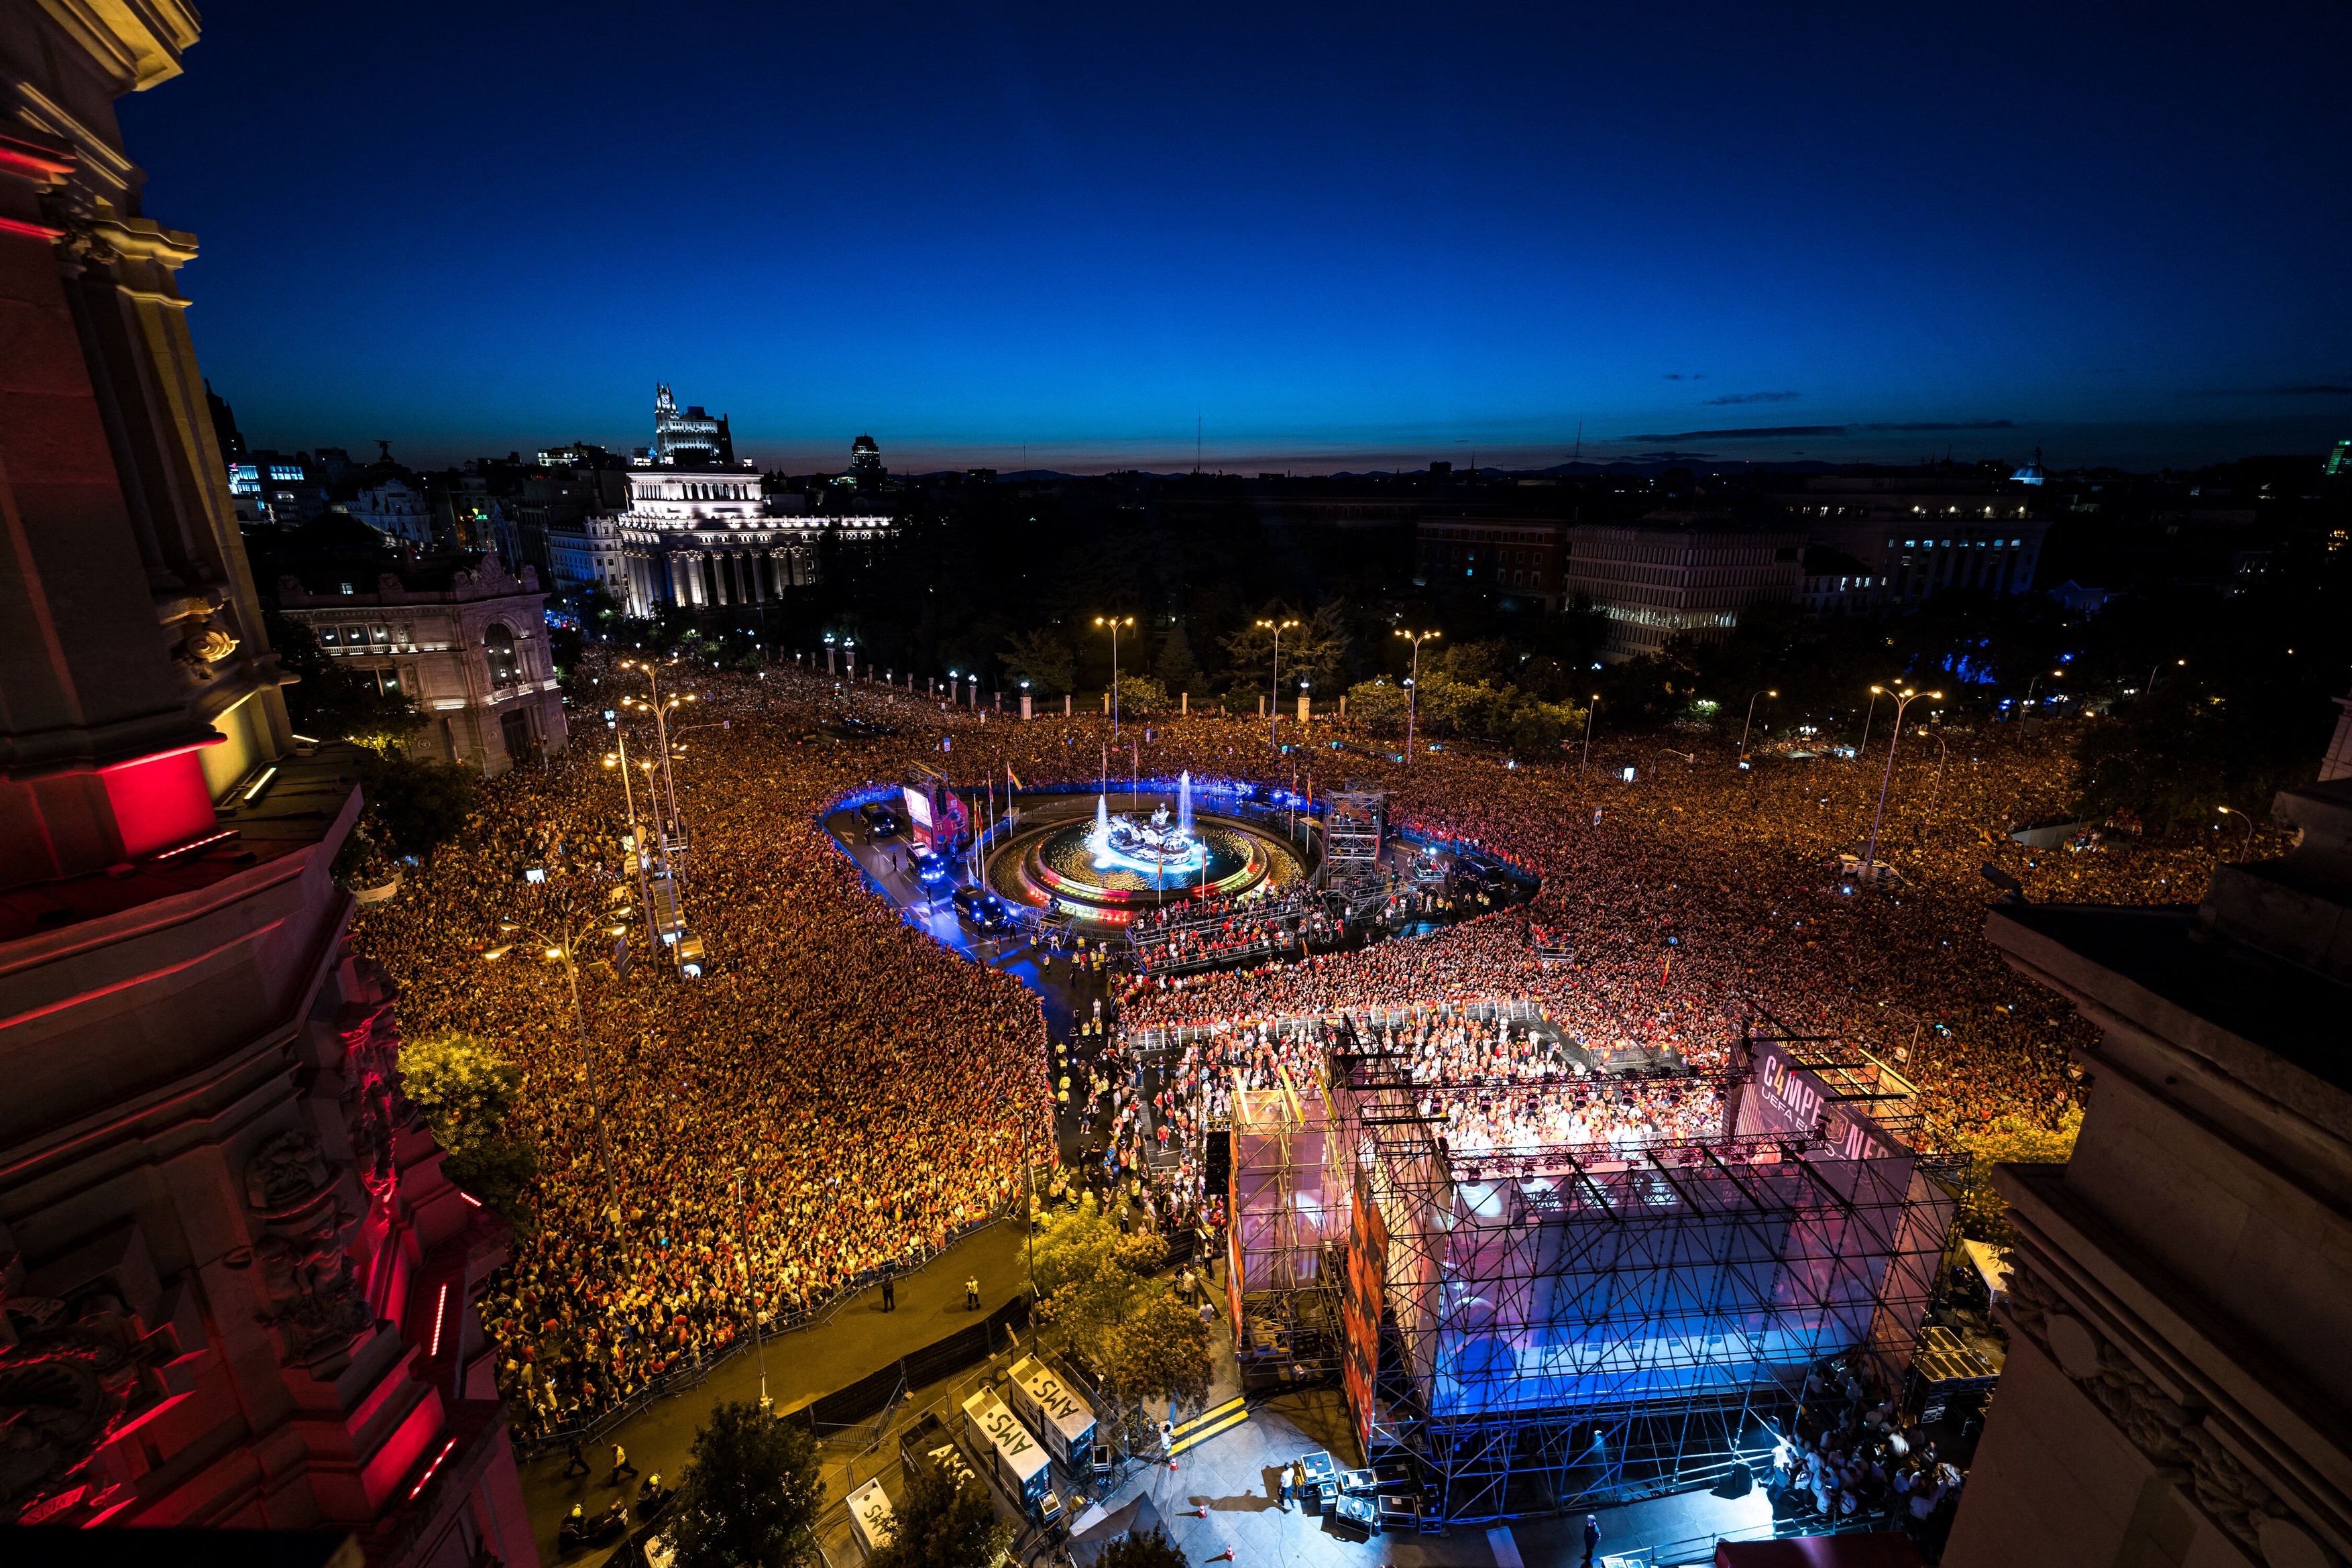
<point x="1902" y="701"/>
<point x="562" y="947"/>
<point x="2233" y="811"/>
<point x="1589" y="713"/>
<point x="1114" y="623"/>
<point x="1751" y="719"/>
<point x="1412" y="683"/>
<point x="637" y="856"/>
<point x="828" y="654"/>
<point x="1863" y="750"/>
<point x="1273" y="698"/>
<point x="759" y="1332"/>
<point x="2150" y="687"/>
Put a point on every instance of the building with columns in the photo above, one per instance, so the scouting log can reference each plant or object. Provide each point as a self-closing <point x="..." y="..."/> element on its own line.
<point x="703" y="538"/>
<point x="236" y="1288"/>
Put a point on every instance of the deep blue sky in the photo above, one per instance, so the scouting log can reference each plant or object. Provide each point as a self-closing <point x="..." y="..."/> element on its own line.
<point x="1347" y="238"/>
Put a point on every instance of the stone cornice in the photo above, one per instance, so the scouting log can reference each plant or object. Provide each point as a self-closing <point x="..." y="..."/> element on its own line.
<point x="2216" y="1415"/>
<point x="137" y="43"/>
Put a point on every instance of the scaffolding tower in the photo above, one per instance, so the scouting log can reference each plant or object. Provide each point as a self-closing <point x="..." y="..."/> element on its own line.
<point x="1354" y="823"/>
<point x="1560" y="1325"/>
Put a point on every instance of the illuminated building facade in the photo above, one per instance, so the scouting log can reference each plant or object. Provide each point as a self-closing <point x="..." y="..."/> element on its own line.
<point x="235" y="1289"/>
<point x="1661" y="580"/>
<point x="688" y="437"/>
<point x="1914" y="538"/>
<point x="469" y="646"/>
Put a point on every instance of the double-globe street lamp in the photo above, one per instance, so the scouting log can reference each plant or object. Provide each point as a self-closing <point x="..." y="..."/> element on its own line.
<point x="1273" y="698"/>
<point x="1411" y="684"/>
<point x="561" y="945"/>
<point x="1903" y="699"/>
<point x="1114" y="623"/>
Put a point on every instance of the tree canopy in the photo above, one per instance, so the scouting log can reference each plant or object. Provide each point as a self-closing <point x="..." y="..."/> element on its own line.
<point x="751" y="1495"/>
<point x="1102" y="1303"/>
<point x="941" y="1523"/>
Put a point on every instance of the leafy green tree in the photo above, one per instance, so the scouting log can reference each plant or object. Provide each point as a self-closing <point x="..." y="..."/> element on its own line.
<point x="1175" y="666"/>
<point x="751" y="1494"/>
<point x="463" y="1088"/>
<point x="465" y="1091"/>
<point x="1142" y="1549"/>
<point x="1041" y="659"/>
<point x="942" y="1524"/>
<point x="414" y="804"/>
<point x="1102" y="1304"/>
<point x="334" y="701"/>
<point x="2013" y="1140"/>
<point x="1143" y="694"/>
<point x="1315" y="650"/>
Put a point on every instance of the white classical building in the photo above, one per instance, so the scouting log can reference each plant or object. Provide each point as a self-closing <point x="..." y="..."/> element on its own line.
<point x="468" y="646"/>
<point x="703" y="538"/>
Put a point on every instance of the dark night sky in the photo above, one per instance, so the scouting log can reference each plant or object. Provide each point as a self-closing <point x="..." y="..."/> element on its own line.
<point x="1350" y="238"/>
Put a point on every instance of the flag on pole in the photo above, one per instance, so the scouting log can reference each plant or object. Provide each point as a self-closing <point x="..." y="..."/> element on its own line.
<point x="1013" y="776"/>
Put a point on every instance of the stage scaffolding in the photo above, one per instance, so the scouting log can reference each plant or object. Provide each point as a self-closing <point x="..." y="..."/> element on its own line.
<point x="1556" y="1326"/>
<point x="1353" y="826"/>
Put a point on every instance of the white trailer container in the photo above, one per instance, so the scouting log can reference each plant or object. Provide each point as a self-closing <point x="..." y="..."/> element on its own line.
<point x="999" y="1441"/>
<point x="1044" y="1399"/>
<point x="871" y="1520"/>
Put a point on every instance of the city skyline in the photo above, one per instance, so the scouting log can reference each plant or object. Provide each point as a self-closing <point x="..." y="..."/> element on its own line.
<point x="1331" y="248"/>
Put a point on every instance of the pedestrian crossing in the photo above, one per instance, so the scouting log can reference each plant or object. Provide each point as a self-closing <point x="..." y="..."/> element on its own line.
<point x="1209" y="1424"/>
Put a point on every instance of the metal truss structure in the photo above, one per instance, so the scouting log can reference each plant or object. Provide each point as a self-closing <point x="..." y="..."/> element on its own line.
<point x="1354" y="823"/>
<point x="1565" y="1324"/>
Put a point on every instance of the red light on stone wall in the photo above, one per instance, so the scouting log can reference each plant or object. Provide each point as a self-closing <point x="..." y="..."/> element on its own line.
<point x="159" y="802"/>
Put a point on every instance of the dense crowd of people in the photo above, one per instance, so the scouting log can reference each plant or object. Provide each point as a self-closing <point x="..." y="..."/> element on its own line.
<point x="841" y="1095"/>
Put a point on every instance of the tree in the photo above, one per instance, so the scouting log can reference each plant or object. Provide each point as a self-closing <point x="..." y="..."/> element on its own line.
<point x="1043" y="660"/>
<point x="943" y="1523"/>
<point x="2026" y="1140"/>
<point x="1142" y="694"/>
<point x="1102" y="1304"/>
<point x="1315" y="650"/>
<point x="415" y="805"/>
<point x="751" y="1495"/>
<point x="1142" y="1549"/>
<point x="461" y="1087"/>
<point x="1176" y="668"/>
<point x="332" y="701"/>
<point x="465" y="1091"/>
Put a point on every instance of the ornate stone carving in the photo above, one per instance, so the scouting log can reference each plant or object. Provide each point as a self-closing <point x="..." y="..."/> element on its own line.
<point x="207" y="643"/>
<point x="67" y="1389"/>
<point x="2177" y="1438"/>
<point x="312" y="1291"/>
<point x="374" y="1110"/>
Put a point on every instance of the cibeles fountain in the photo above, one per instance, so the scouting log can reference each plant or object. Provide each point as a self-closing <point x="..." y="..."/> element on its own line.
<point x="1163" y="850"/>
<point x="1103" y="866"/>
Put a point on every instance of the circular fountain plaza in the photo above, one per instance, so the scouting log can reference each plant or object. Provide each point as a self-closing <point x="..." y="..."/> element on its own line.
<point x="1104" y="857"/>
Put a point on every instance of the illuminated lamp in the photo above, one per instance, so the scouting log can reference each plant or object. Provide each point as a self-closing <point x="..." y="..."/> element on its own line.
<point x="160" y="801"/>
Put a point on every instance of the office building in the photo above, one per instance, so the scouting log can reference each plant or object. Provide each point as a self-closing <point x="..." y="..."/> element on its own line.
<point x="467" y="645"/>
<point x="1668" y="577"/>
<point x="1916" y="536"/>
<point x="1517" y="560"/>
<point x="688" y="438"/>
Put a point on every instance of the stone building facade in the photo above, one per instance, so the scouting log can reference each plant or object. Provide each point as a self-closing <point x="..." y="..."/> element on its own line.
<point x="236" y="1288"/>
<point x="2179" y="1373"/>
<point x="1658" y="579"/>
<point x="705" y="538"/>
<point x="469" y="646"/>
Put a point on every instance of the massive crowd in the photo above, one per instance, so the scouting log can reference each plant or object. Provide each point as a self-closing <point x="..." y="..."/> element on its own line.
<point x="876" y="1092"/>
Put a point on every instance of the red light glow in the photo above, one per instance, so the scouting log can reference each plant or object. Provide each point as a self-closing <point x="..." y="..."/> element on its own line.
<point x="434" y="1466"/>
<point x="440" y="1313"/>
<point x="159" y="802"/>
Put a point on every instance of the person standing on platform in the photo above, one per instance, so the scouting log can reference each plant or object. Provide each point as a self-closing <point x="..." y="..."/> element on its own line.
<point x="971" y="1294"/>
<point x="1592" y="1537"/>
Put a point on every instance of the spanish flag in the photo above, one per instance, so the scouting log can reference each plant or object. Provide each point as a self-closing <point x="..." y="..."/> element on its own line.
<point x="1013" y="776"/>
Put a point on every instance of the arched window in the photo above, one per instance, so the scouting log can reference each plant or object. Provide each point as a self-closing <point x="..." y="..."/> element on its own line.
<point x="498" y="650"/>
